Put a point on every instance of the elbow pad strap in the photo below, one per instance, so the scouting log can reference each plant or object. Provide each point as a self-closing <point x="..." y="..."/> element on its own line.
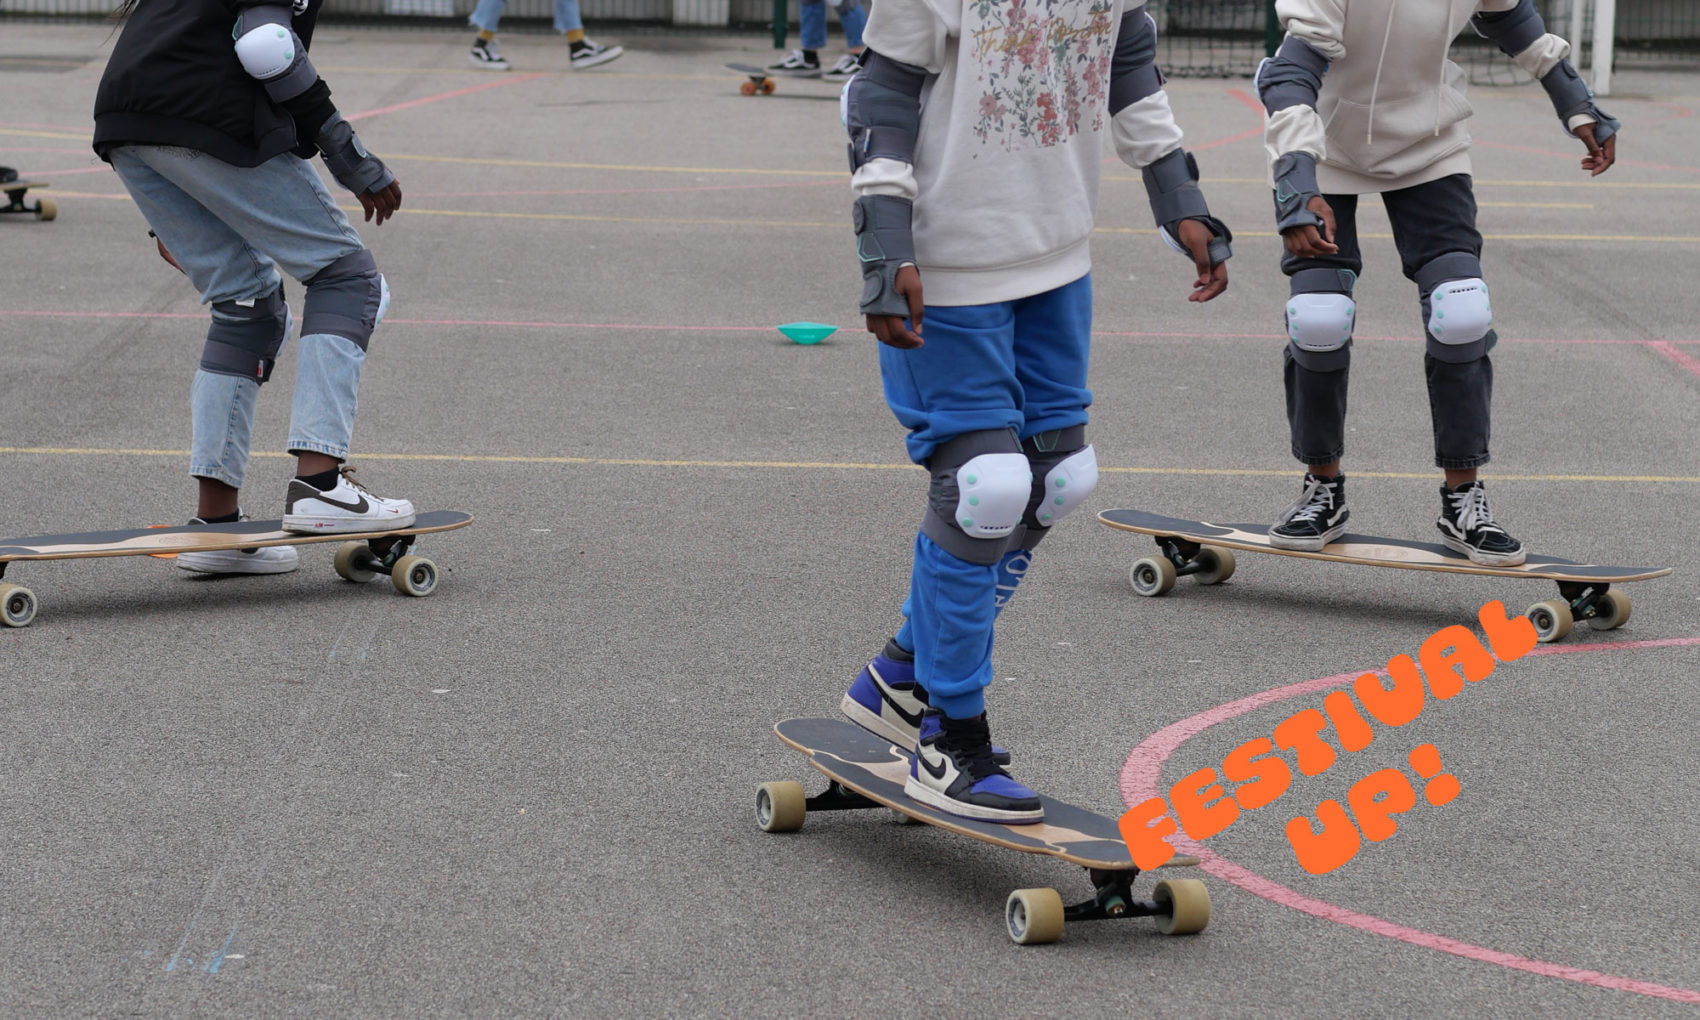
<point x="1292" y="77"/>
<point x="1133" y="68"/>
<point x="1512" y="31"/>
<point x="882" y="110"/>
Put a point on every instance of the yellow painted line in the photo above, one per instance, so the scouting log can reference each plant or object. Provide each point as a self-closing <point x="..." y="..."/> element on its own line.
<point x="46" y="134"/>
<point x="795" y="465"/>
<point x="1582" y="182"/>
<point x="622" y="167"/>
<point x="1536" y="205"/>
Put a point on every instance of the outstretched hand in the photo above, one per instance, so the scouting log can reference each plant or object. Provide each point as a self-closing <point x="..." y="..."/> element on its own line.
<point x="1601" y="155"/>
<point x="1305" y="241"/>
<point x="1212" y="279"/>
<point x="890" y="328"/>
<point x="382" y="203"/>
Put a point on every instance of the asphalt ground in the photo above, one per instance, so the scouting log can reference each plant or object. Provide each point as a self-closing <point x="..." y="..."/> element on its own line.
<point x="531" y="792"/>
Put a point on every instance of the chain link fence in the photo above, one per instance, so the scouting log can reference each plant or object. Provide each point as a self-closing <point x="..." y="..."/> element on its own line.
<point x="1199" y="38"/>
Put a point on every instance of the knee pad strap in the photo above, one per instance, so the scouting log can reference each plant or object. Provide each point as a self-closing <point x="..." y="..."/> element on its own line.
<point x="980" y="487"/>
<point x="245" y="336"/>
<point x="346" y="299"/>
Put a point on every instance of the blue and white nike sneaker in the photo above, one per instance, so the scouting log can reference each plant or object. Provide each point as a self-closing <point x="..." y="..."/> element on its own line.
<point x="953" y="770"/>
<point x="887" y="701"/>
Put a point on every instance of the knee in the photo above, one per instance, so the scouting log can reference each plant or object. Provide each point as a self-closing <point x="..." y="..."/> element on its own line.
<point x="1456" y="311"/>
<point x="347" y="298"/>
<point x="981" y="483"/>
<point x="245" y="337"/>
<point x="1320" y="317"/>
<point x="1065" y="471"/>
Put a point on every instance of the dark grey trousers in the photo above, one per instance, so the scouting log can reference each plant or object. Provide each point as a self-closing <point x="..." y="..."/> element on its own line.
<point x="1429" y="220"/>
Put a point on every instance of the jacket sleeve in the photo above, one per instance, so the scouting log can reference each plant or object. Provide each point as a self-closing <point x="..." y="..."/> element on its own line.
<point x="1142" y="125"/>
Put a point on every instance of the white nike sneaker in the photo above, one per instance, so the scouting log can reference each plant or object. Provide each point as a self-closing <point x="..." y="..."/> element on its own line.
<point x="267" y="559"/>
<point x="348" y="507"/>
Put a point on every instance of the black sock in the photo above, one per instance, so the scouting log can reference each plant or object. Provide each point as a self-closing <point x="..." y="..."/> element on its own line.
<point x="230" y="518"/>
<point x="324" y="481"/>
<point x="577" y="45"/>
<point x="811" y="56"/>
<point x="897" y="652"/>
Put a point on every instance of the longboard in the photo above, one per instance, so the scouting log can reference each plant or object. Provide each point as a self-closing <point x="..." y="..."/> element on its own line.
<point x="362" y="556"/>
<point x="15" y="189"/>
<point x="1200" y="549"/>
<point x="867" y="772"/>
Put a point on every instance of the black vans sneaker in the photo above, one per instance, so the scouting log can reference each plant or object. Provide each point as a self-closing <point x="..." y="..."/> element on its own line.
<point x="953" y="770"/>
<point x="1318" y="518"/>
<point x="797" y="64"/>
<point x="1467" y="525"/>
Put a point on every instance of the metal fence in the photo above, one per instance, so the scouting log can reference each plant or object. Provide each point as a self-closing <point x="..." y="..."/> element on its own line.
<point x="1199" y="38"/>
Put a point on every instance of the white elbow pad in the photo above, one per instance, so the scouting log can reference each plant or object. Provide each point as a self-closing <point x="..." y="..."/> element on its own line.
<point x="266" y="51"/>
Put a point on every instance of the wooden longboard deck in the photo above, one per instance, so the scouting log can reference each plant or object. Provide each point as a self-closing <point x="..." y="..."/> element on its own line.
<point x="1368" y="549"/>
<point x="203" y="537"/>
<point x="876" y="769"/>
<point x="749" y="69"/>
<point x="22" y="185"/>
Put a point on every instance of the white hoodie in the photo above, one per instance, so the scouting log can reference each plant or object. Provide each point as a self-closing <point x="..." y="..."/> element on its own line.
<point x="1392" y="111"/>
<point x="1005" y="178"/>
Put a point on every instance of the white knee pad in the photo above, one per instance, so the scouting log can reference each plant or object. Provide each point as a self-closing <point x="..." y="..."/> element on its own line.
<point x="992" y="494"/>
<point x="1320" y="322"/>
<point x="1067" y="485"/>
<point x="1459" y="312"/>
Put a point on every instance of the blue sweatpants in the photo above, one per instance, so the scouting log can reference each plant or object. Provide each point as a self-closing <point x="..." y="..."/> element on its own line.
<point x="1018" y="365"/>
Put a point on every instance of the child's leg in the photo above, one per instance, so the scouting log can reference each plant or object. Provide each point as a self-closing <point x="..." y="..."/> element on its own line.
<point x="568" y="20"/>
<point x="487" y="15"/>
<point x="811" y="19"/>
<point x="854" y="19"/>
<point x="1434" y="225"/>
<point x="959" y="398"/>
<point x="1317" y="359"/>
<point x="250" y="324"/>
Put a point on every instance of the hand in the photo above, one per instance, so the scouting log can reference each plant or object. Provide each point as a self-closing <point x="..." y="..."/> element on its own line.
<point x="382" y="203"/>
<point x="1304" y="241"/>
<point x="1600" y="157"/>
<point x="889" y="328"/>
<point x="1212" y="280"/>
<point x="166" y="255"/>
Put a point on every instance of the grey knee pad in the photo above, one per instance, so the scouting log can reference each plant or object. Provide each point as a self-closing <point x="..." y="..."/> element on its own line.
<point x="346" y="298"/>
<point x="1320" y="317"/>
<point x="1456" y="313"/>
<point x="980" y="488"/>
<point x="245" y="336"/>
<point x="1065" y="471"/>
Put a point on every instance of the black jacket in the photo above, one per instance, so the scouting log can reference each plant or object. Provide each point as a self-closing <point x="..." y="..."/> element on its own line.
<point x="174" y="79"/>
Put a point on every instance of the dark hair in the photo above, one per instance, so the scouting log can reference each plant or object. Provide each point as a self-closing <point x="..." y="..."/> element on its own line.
<point x="123" y="10"/>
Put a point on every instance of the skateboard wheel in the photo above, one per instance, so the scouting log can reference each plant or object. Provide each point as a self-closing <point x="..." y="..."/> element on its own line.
<point x="1187" y="904"/>
<point x="902" y="819"/>
<point x="1611" y="611"/>
<point x="1152" y="576"/>
<point x="350" y="562"/>
<point x="748" y="88"/>
<point x="1034" y="916"/>
<point x="17" y="605"/>
<point x="781" y="806"/>
<point x="1218" y="565"/>
<point x="767" y="86"/>
<point x="46" y="208"/>
<point x="414" y="575"/>
<point x="1552" y="620"/>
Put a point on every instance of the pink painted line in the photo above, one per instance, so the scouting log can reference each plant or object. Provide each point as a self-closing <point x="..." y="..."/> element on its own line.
<point x="1682" y="358"/>
<point x="625" y="191"/>
<point x="1243" y="135"/>
<point x="445" y="95"/>
<point x="1142" y="774"/>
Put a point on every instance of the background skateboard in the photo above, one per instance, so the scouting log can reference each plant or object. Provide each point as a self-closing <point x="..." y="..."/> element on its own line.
<point x="361" y="557"/>
<point x="759" y="80"/>
<point x="14" y="190"/>
<point x="1201" y="549"/>
<point x="868" y="772"/>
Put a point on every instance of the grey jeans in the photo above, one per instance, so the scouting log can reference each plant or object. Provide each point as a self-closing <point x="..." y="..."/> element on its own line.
<point x="1429" y="220"/>
<point x="231" y="228"/>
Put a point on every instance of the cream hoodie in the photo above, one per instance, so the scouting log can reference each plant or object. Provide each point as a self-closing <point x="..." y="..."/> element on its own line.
<point x="1392" y="111"/>
<point x="1005" y="178"/>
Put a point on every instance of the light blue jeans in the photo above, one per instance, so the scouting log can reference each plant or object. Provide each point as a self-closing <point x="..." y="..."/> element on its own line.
<point x="811" y="17"/>
<point x="488" y="14"/>
<point x="232" y="229"/>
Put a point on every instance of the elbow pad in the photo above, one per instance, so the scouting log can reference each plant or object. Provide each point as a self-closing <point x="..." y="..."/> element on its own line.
<point x="882" y="110"/>
<point x="1512" y="31"/>
<point x="1292" y="77"/>
<point x="1133" y="68"/>
<point x="1171" y="185"/>
<point x="272" y="53"/>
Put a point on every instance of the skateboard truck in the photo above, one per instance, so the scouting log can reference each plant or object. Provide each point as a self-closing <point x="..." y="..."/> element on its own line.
<point x="361" y="562"/>
<point x="1206" y="564"/>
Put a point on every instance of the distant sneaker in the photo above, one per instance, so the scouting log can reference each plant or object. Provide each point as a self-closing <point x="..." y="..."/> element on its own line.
<point x="796" y="64"/>
<point x="846" y="68"/>
<point x="1467" y="526"/>
<point x="953" y="770"/>
<point x="588" y="53"/>
<point x="1318" y="518"/>
<point x="349" y="506"/>
<point x="886" y="700"/>
<point x="267" y="559"/>
<point x="485" y="54"/>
